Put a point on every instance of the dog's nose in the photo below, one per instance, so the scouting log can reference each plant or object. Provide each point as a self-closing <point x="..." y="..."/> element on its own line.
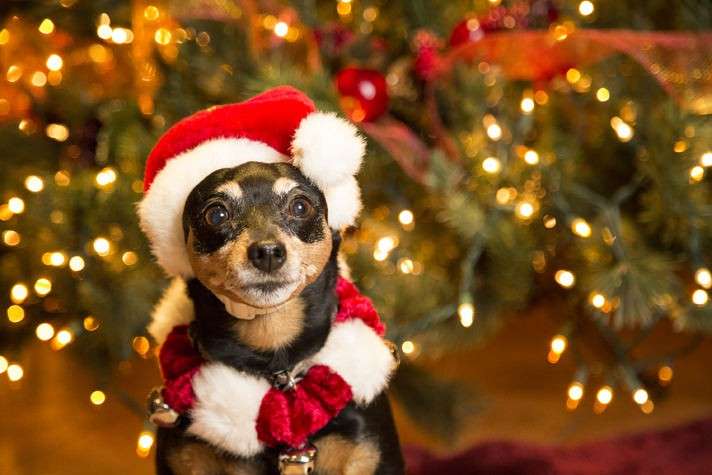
<point x="267" y="256"/>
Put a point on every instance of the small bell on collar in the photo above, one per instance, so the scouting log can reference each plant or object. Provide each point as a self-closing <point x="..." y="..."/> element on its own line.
<point x="160" y="413"/>
<point x="297" y="461"/>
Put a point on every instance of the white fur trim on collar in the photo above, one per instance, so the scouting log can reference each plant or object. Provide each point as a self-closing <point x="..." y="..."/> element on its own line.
<point x="360" y="356"/>
<point x="174" y="308"/>
<point x="161" y="209"/>
<point x="226" y="409"/>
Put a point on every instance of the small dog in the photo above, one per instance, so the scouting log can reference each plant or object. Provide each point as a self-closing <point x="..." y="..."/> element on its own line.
<point x="257" y="237"/>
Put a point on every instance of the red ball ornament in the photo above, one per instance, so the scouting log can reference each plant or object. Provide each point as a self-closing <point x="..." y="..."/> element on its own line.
<point x="364" y="95"/>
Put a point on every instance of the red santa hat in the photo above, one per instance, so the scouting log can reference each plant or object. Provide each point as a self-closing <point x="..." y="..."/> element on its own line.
<point x="279" y="125"/>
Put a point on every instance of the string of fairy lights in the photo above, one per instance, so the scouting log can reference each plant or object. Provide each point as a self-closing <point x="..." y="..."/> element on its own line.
<point x="165" y="35"/>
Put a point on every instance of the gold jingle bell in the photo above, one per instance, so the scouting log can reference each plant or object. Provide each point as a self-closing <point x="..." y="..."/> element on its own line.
<point x="160" y="413"/>
<point x="297" y="461"/>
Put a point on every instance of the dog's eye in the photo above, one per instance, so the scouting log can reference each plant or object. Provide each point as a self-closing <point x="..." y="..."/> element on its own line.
<point x="216" y="215"/>
<point x="300" y="207"/>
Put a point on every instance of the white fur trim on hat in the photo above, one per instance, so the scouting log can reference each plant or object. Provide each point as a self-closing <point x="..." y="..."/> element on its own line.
<point x="327" y="149"/>
<point x="161" y="209"/>
<point x="360" y="356"/>
<point x="344" y="202"/>
<point x="174" y="308"/>
<point x="226" y="409"/>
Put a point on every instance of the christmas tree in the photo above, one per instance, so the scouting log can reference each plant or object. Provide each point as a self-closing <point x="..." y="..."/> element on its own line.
<point x="521" y="153"/>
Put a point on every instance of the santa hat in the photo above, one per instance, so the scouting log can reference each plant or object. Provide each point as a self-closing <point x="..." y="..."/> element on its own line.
<point x="279" y="125"/>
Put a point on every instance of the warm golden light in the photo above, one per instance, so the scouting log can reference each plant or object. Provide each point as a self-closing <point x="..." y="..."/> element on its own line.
<point x="598" y="300"/>
<point x="531" y="157"/>
<point x="605" y="395"/>
<point x="46" y="27"/>
<point x="58" y="132"/>
<point x="3" y="364"/>
<point x="406" y="217"/>
<point x="76" y="263"/>
<point x="15" y="313"/>
<point x="706" y="159"/>
<point x="623" y="131"/>
<point x="494" y="131"/>
<point x="491" y="165"/>
<point x="39" y="79"/>
<point x="524" y="210"/>
<point x="162" y="36"/>
<point x="558" y="344"/>
<point x="102" y="246"/>
<point x="44" y="331"/>
<point x="4" y="36"/>
<point x="11" y="237"/>
<point x="54" y="62"/>
<point x="697" y="173"/>
<point x="62" y="339"/>
<point x="34" y="184"/>
<point x="575" y="391"/>
<point x="141" y="345"/>
<point x="640" y="396"/>
<point x="121" y="36"/>
<point x="700" y="297"/>
<point x="549" y="222"/>
<point x="703" y="277"/>
<point x="104" y="31"/>
<point x="386" y="243"/>
<point x="151" y="13"/>
<point x="105" y="177"/>
<point x="144" y="443"/>
<point x="585" y="8"/>
<point x="603" y="94"/>
<point x="406" y="265"/>
<point x="527" y="105"/>
<point x="43" y="286"/>
<point x="573" y="75"/>
<point x="57" y="259"/>
<point x="15" y="372"/>
<point x="665" y="374"/>
<point x="281" y="29"/>
<point x="408" y="347"/>
<point x="18" y="293"/>
<point x="16" y="205"/>
<point x="129" y="258"/>
<point x="466" y="312"/>
<point x="565" y="278"/>
<point x="581" y="228"/>
<point x="90" y="323"/>
<point x="97" y="397"/>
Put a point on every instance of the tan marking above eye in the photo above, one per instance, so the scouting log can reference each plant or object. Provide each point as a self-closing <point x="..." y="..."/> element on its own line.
<point x="283" y="185"/>
<point x="231" y="188"/>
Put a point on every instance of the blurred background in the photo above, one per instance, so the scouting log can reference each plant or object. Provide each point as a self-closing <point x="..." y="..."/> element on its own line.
<point x="537" y="231"/>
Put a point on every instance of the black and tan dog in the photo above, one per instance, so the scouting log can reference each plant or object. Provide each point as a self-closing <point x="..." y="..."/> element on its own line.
<point x="257" y="238"/>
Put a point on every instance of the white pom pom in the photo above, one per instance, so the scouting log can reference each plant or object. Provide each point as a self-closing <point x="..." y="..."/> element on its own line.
<point x="344" y="202"/>
<point x="327" y="149"/>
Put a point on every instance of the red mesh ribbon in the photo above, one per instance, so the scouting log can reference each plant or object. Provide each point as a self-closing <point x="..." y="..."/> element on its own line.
<point x="680" y="61"/>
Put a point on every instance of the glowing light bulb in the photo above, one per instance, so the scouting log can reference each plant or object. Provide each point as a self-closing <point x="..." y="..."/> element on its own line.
<point x="573" y="75"/>
<point x="549" y="222"/>
<point x="18" y="293"/>
<point x="141" y="345"/>
<point x="703" y="277"/>
<point x="598" y="300"/>
<point x="581" y="228"/>
<point x="575" y="391"/>
<point x="585" y="8"/>
<point x="104" y="31"/>
<point x="494" y="131"/>
<point x="44" y="331"/>
<point x="527" y="105"/>
<point x="466" y="312"/>
<point x="665" y="374"/>
<point x="15" y="372"/>
<point x="162" y="36"/>
<point x="603" y="94"/>
<point x="524" y="210"/>
<point x="11" y="238"/>
<point x="144" y="443"/>
<point x="697" y="173"/>
<point x="491" y="165"/>
<point x="121" y="36"/>
<point x="102" y="246"/>
<point x="105" y="177"/>
<point x="408" y="347"/>
<point x="700" y="297"/>
<point x="558" y="344"/>
<point x="565" y="278"/>
<point x="90" y="323"/>
<point x="605" y="395"/>
<point x="34" y="184"/>
<point x="281" y="29"/>
<point x="57" y="132"/>
<point x="62" y="339"/>
<point x="406" y="217"/>
<point x="386" y="244"/>
<point x="3" y="364"/>
<point x="640" y="396"/>
<point x="46" y="27"/>
<point x="531" y="157"/>
<point x="54" y="62"/>
<point x="76" y="263"/>
<point x="623" y="131"/>
<point x="15" y="313"/>
<point x="57" y="259"/>
<point x="97" y="397"/>
<point x="43" y="286"/>
<point x="406" y="266"/>
<point x="706" y="159"/>
<point x="16" y="205"/>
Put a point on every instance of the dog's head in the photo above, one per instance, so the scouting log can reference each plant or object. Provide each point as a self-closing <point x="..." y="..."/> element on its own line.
<point x="257" y="234"/>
